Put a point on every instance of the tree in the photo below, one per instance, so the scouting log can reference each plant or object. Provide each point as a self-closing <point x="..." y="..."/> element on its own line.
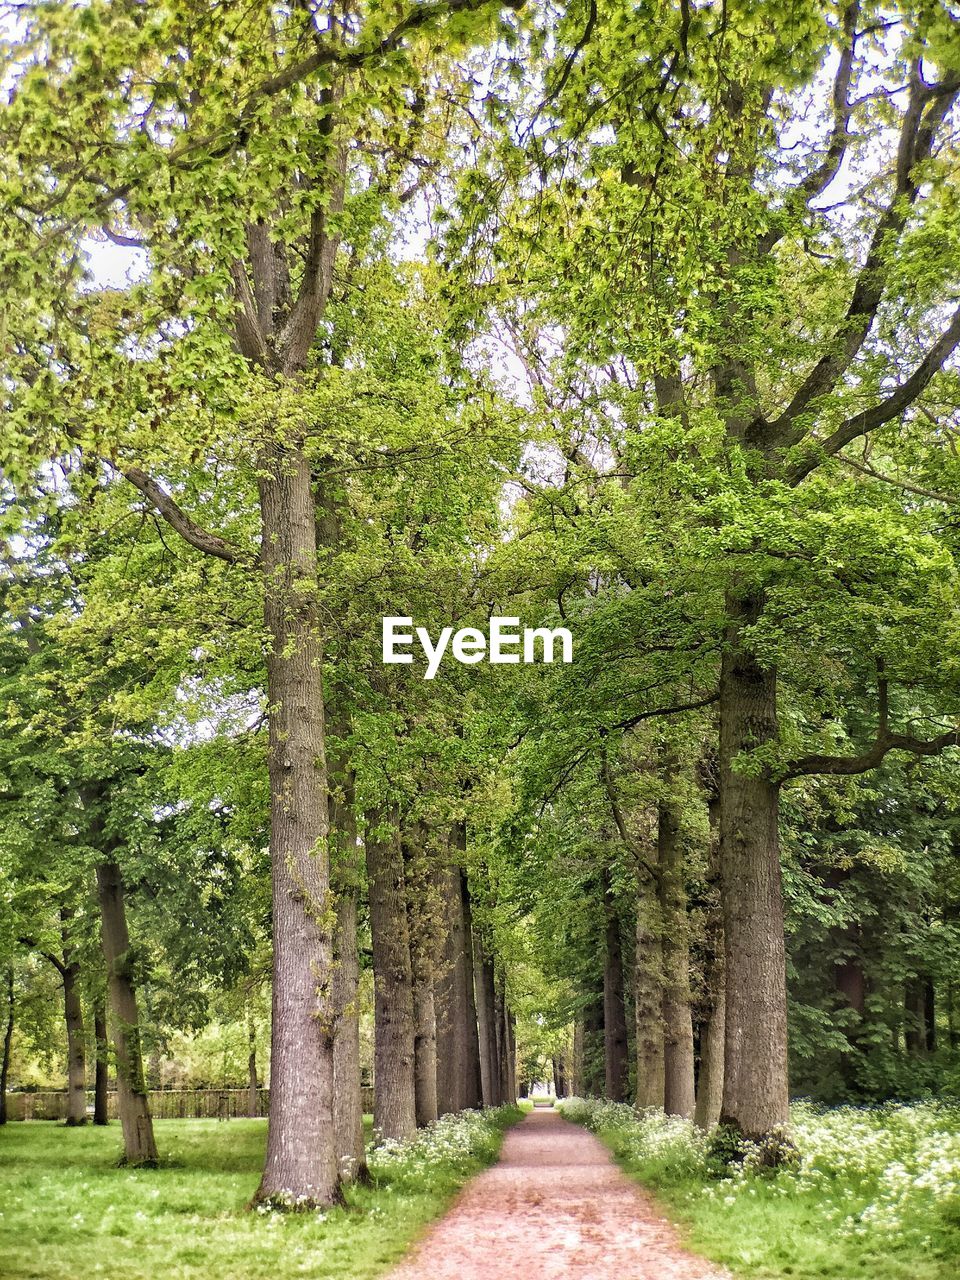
<point x="731" y="355"/>
<point x="258" y="144"/>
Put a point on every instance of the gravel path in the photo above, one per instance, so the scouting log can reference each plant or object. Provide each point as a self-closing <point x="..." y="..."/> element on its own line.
<point x="555" y="1207"/>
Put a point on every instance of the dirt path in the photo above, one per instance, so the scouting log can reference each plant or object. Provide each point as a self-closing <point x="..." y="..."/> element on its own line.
<point x="555" y="1207"/>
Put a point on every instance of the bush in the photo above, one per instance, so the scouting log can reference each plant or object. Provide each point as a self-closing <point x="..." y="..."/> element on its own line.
<point x="890" y="1170"/>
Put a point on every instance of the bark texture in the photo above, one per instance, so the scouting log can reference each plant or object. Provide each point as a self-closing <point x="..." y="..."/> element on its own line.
<point x="424" y="929"/>
<point x="713" y="1008"/>
<point x="7" y="1043"/>
<point x="253" y="1084"/>
<point x="301" y="1163"/>
<point x="511" y="1075"/>
<point x="593" y="1058"/>
<point x="678" y="1063"/>
<point x="395" y="1113"/>
<point x="101" y="1078"/>
<point x="615" y="1049"/>
<point x="472" y="1084"/>
<point x="346" y="868"/>
<point x="139" y="1147"/>
<point x="458" y="1043"/>
<point x="755" y="1093"/>
<point x="490" y="1075"/>
<point x="76" y="1044"/>
<point x="648" y="997"/>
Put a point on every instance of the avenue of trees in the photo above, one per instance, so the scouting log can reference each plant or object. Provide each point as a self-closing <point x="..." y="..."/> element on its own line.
<point x="638" y="319"/>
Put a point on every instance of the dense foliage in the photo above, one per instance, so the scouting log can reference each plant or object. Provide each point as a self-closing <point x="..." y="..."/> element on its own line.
<point x="636" y="320"/>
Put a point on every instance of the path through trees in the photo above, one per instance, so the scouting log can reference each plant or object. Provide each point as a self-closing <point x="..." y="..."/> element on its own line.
<point x="555" y="1206"/>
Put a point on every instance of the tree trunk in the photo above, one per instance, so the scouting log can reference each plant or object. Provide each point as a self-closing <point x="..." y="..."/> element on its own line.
<point x="424" y="1052"/>
<point x="502" y="1037"/>
<point x="139" y="1146"/>
<point x="253" y="1085"/>
<point x="76" y="1045"/>
<point x="301" y="1163"/>
<point x="593" y="1045"/>
<point x="423" y="955"/>
<point x="7" y="1043"/>
<point x="616" y="1070"/>
<point x="576" y="1072"/>
<point x="511" y="1058"/>
<point x="345" y="872"/>
<point x="756" y="1091"/>
<point x="710" y="1079"/>
<point x="648" y="997"/>
<point x="458" y="1044"/>
<point x="710" y="1084"/>
<point x="678" y="1065"/>
<point x="490" y="1079"/>
<point x="473" y="1096"/>
<point x="101" y="1073"/>
<point x="395" y="1113"/>
<point x="920" y="1023"/>
<point x="929" y="1016"/>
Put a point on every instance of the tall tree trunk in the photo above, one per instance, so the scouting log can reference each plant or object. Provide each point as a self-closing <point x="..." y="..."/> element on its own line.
<point x="559" y="1087"/>
<point x="101" y="1078"/>
<point x="501" y="1016"/>
<point x="395" y="1114"/>
<point x="490" y="1078"/>
<point x="930" y="1015"/>
<point x="616" y="1068"/>
<point x="7" y="1043"/>
<point x="920" y="1022"/>
<point x="139" y="1146"/>
<point x="471" y="1034"/>
<point x="593" y="1055"/>
<point x="755" y="1092"/>
<point x="851" y="984"/>
<point x="710" y="1083"/>
<point x="710" y="1079"/>
<point x="448" y="995"/>
<point x="345" y="872"/>
<point x="253" y="1084"/>
<point x="648" y="996"/>
<point x="423" y="926"/>
<point x="76" y="1044"/>
<point x="678" y="1064"/>
<point x="576" y="1071"/>
<point x="458" y="1044"/>
<point x="424" y="1051"/>
<point x="511" y="1057"/>
<point x="301" y="1163"/>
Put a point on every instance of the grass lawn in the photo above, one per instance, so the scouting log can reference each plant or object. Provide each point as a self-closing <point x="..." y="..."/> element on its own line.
<point x="876" y="1194"/>
<point x="67" y="1211"/>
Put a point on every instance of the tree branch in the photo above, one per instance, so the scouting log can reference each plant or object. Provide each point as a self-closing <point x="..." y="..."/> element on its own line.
<point x="926" y="109"/>
<point x="31" y="945"/>
<point x="848" y="765"/>
<point x="894" y="405"/>
<point x="667" y="711"/>
<point x="209" y="543"/>
<point x="951" y="500"/>
<point x="817" y="181"/>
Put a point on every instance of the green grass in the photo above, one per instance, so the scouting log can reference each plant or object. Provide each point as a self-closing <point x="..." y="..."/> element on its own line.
<point x="809" y="1224"/>
<point x="67" y="1211"/>
<point x="770" y="1236"/>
